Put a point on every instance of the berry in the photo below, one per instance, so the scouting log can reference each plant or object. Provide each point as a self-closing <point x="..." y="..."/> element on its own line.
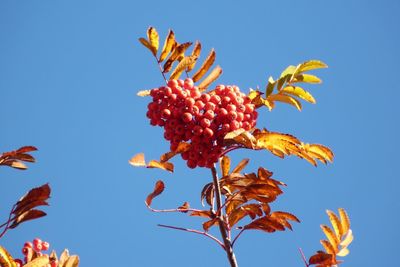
<point x="45" y="246"/>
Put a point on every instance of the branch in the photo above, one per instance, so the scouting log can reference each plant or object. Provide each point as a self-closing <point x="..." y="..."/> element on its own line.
<point x="222" y="226"/>
<point x="196" y="232"/>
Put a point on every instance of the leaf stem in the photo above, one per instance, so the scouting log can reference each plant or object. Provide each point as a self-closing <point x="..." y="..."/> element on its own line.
<point x="304" y="258"/>
<point x="8" y="221"/>
<point x="196" y="232"/>
<point x="222" y="224"/>
<point x="236" y="237"/>
<point x="161" y="69"/>
<point x="172" y="210"/>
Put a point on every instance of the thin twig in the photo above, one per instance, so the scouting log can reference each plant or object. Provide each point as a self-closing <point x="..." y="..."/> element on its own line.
<point x="236" y="237"/>
<point x="222" y="226"/>
<point x="8" y="221"/>
<point x="172" y="210"/>
<point x="196" y="232"/>
<point x="161" y="69"/>
<point x="303" y="257"/>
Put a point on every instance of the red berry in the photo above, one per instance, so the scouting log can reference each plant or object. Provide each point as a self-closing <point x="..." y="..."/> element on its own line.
<point x="234" y="125"/>
<point x="208" y="133"/>
<point x="231" y="107"/>
<point x="37" y="247"/>
<point x="205" y="123"/>
<point x="209" y="114"/>
<point x="191" y="164"/>
<point x="172" y="83"/>
<point x="187" y="117"/>
<point x="45" y="246"/>
<point x="197" y="130"/>
<point x="205" y="98"/>
<point x="28" y="244"/>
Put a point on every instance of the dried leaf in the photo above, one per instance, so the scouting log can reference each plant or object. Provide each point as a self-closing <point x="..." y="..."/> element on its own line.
<point x="17" y="165"/>
<point x="240" y="137"/>
<point x="184" y="207"/>
<point x="138" y="160"/>
<point x="337" y="226"/>
<point x="328" y="247"/>
<point x="321" y="258"/>
<point x="143" y="93"/>
<point x="63" y="258"/>
<point x="202" y="213"/>
<point x="72" y="261"/>
<point x="270" y="86"/>
<point x="177" y="52"/>
<point x="5" y="258"/>
<point x="210" y="223"/>
<point x="225" y="165"/>
<point x="26" y="216"/>
<point x="152" y="36"/>
<point x="185" y="63"/>
<point x="147" y="44"/>
<point x="347" y="239"/>
<point x="330" y="235"/>
<point x="205" y="67"/>
<point x="215" y="73"/>
<point x="345" y="221"/>
<point x="207" y="193"/>
<point x="182" y="147"/>
<point x="168" y="45"/>
<point x="39" y="261"/>
<point x="343" y="252"/>
<point x="196" y="53"/>
<point x="158" y="189"/>
<point x="299" y="92"/>
<point x="36" y="195"/>
<point x="285" y="99"/>
<point x="242" y="164"/>
<point x="26" y="149"/>
<point x="167" y="166"/>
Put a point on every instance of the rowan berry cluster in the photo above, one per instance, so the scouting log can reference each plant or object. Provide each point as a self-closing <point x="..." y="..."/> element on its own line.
<point x="36" y="248"/>
<point x="202" y="119"/>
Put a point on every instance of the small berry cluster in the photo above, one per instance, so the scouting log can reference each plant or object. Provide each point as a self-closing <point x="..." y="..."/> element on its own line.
<point x="34" y="249"/>
<point x="203" y="119"/>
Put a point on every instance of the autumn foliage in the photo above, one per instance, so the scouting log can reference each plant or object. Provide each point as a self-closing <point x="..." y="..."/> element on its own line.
<point x="26" y="209"/>
<point x="203" y="125"/>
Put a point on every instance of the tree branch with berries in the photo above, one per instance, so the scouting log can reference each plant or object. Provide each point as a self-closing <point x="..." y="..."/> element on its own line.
<point x="204" y="125"/>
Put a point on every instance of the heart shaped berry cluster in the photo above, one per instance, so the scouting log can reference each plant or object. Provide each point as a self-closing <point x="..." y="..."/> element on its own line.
<point x="202" y="119"/>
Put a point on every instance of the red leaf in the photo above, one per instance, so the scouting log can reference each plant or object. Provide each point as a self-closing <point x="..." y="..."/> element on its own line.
<point x="26" y="216"/>
<point x="158" y="189"/>
<point x="321" y="258"/>
<point x="35" y="197"/>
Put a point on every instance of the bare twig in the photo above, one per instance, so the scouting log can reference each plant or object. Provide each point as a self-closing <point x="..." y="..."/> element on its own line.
<point x="196" y="232"/>
<point x="304" y="258"/>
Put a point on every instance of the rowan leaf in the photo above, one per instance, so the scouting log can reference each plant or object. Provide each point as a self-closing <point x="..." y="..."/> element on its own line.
<point x="207" y="193"/>
<point x="343" y="252"/>
<point x="285" y="99"/>
<point x="306" y="78"/>
<point x="152" y="36"/>
<point x="184" y="207"/>
<point x="225" y="165"/>
<point x="242" y="164"/>
<point x="72" y="261"/>
<point x="39" y="261"/>
<point x="331" y="236"/>
<point x="63" y="257"/>
<point x="299" y="92"/>
<point x="210" y="223"/>
<point x="167" y="166"/>
<point x="270" y="86"/>
<point x="16" y="165"/>
<point x="6" y="260"/>
<point x="215" y="73"/>
<point x="347" y="239"/>
<point x="310" y="65"/>
<point x="158" y="189"/>
<point x="36" y="195"/>
<point x="285" y="76"/>
<point x="27" y="216"/>
<point x="328" y="247"/>
<point x="195" y="53"/>
<point x="335" y="221"/>
<point x="202" y="213"/>
<point x="320" y="152"/>
<point x="143" y="93"/>
<point x="321" y="258"/>
<point x="26" y="149"/>
<point x="147" y="44"/>
<point x="176" y="54"/>
<point x="345" y="221"/>
<point x="185" y="63"/>
<point x="168" y="45"/>
<point x="182" y="147"/>
<point x="138" y="160"/>
<point x="208" y="62"/>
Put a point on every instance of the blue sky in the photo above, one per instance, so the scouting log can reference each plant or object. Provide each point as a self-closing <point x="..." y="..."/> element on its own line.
<point x="69" y="73"/>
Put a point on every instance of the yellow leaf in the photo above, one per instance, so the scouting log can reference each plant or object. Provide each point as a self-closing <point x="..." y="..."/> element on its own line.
<point x="152" y="36"/>
<point x="310" y="65"/>
<point x="168" y="45"/>
<point x="225" y="165"/>
<point x="196" y="53"/>
<point x="344" y="219"/>
<point x="205" y="67"/>
<point x="167" y="166"/>
<point x="299" y="92"/>
<point x="5" y="258"/>
<point x="72" y="261"/>
<point x="215" y="73"/>
<point x="347" y="239"/>
<point x="319" y="152"/>
<point x="177" y="52"/>
<point x="38" y="262"/>
<point x="241" y="137"/>
<point x="147" y="44"/>
<point x="143" y="93"/>
<point x="337" y="227"/>
<point x="331" y="236"/>
<point x="306" y="78"/>
<point x="277" y="143"/>
<point x="285" y="99"/>
<point x="270" y="86"/>
<point x="343" y="252"/>
<point x="182" y="147"/>
<point x="138" y="160"/>
<point x="185" y="62"/>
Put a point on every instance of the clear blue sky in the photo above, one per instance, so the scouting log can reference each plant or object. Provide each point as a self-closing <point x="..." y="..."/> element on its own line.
<point x="69" y="73"/>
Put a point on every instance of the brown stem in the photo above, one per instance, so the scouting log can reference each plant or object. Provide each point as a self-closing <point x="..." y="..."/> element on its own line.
<point x="7" y="224"/>
<point x="222" y="225"/>
<point x="303" y="257"/>
<point x="161" y="69"/>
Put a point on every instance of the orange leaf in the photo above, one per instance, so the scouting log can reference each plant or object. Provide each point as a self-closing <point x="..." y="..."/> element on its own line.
<point x="26" y="216"/>
<point x="179" y="51"/>
<point x="321" y="258"/>
<point x="205" y="67"/>
<point x="152" y="36"/>
<point x="168" y="45"/>
<point x="208" y="224"/>
<point x="225" y="165"/>
<point x="196" y="52"/>
<point x="331" y="236"/>
<point x="215" y="73"/>
<point x="242" y="164"/>
<point x="185" y="63"/>
<point x="138" y="160"/>
<point x="167" y="166"/>
<point x="202" y="213"/>
<point x="158" y="189"/>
